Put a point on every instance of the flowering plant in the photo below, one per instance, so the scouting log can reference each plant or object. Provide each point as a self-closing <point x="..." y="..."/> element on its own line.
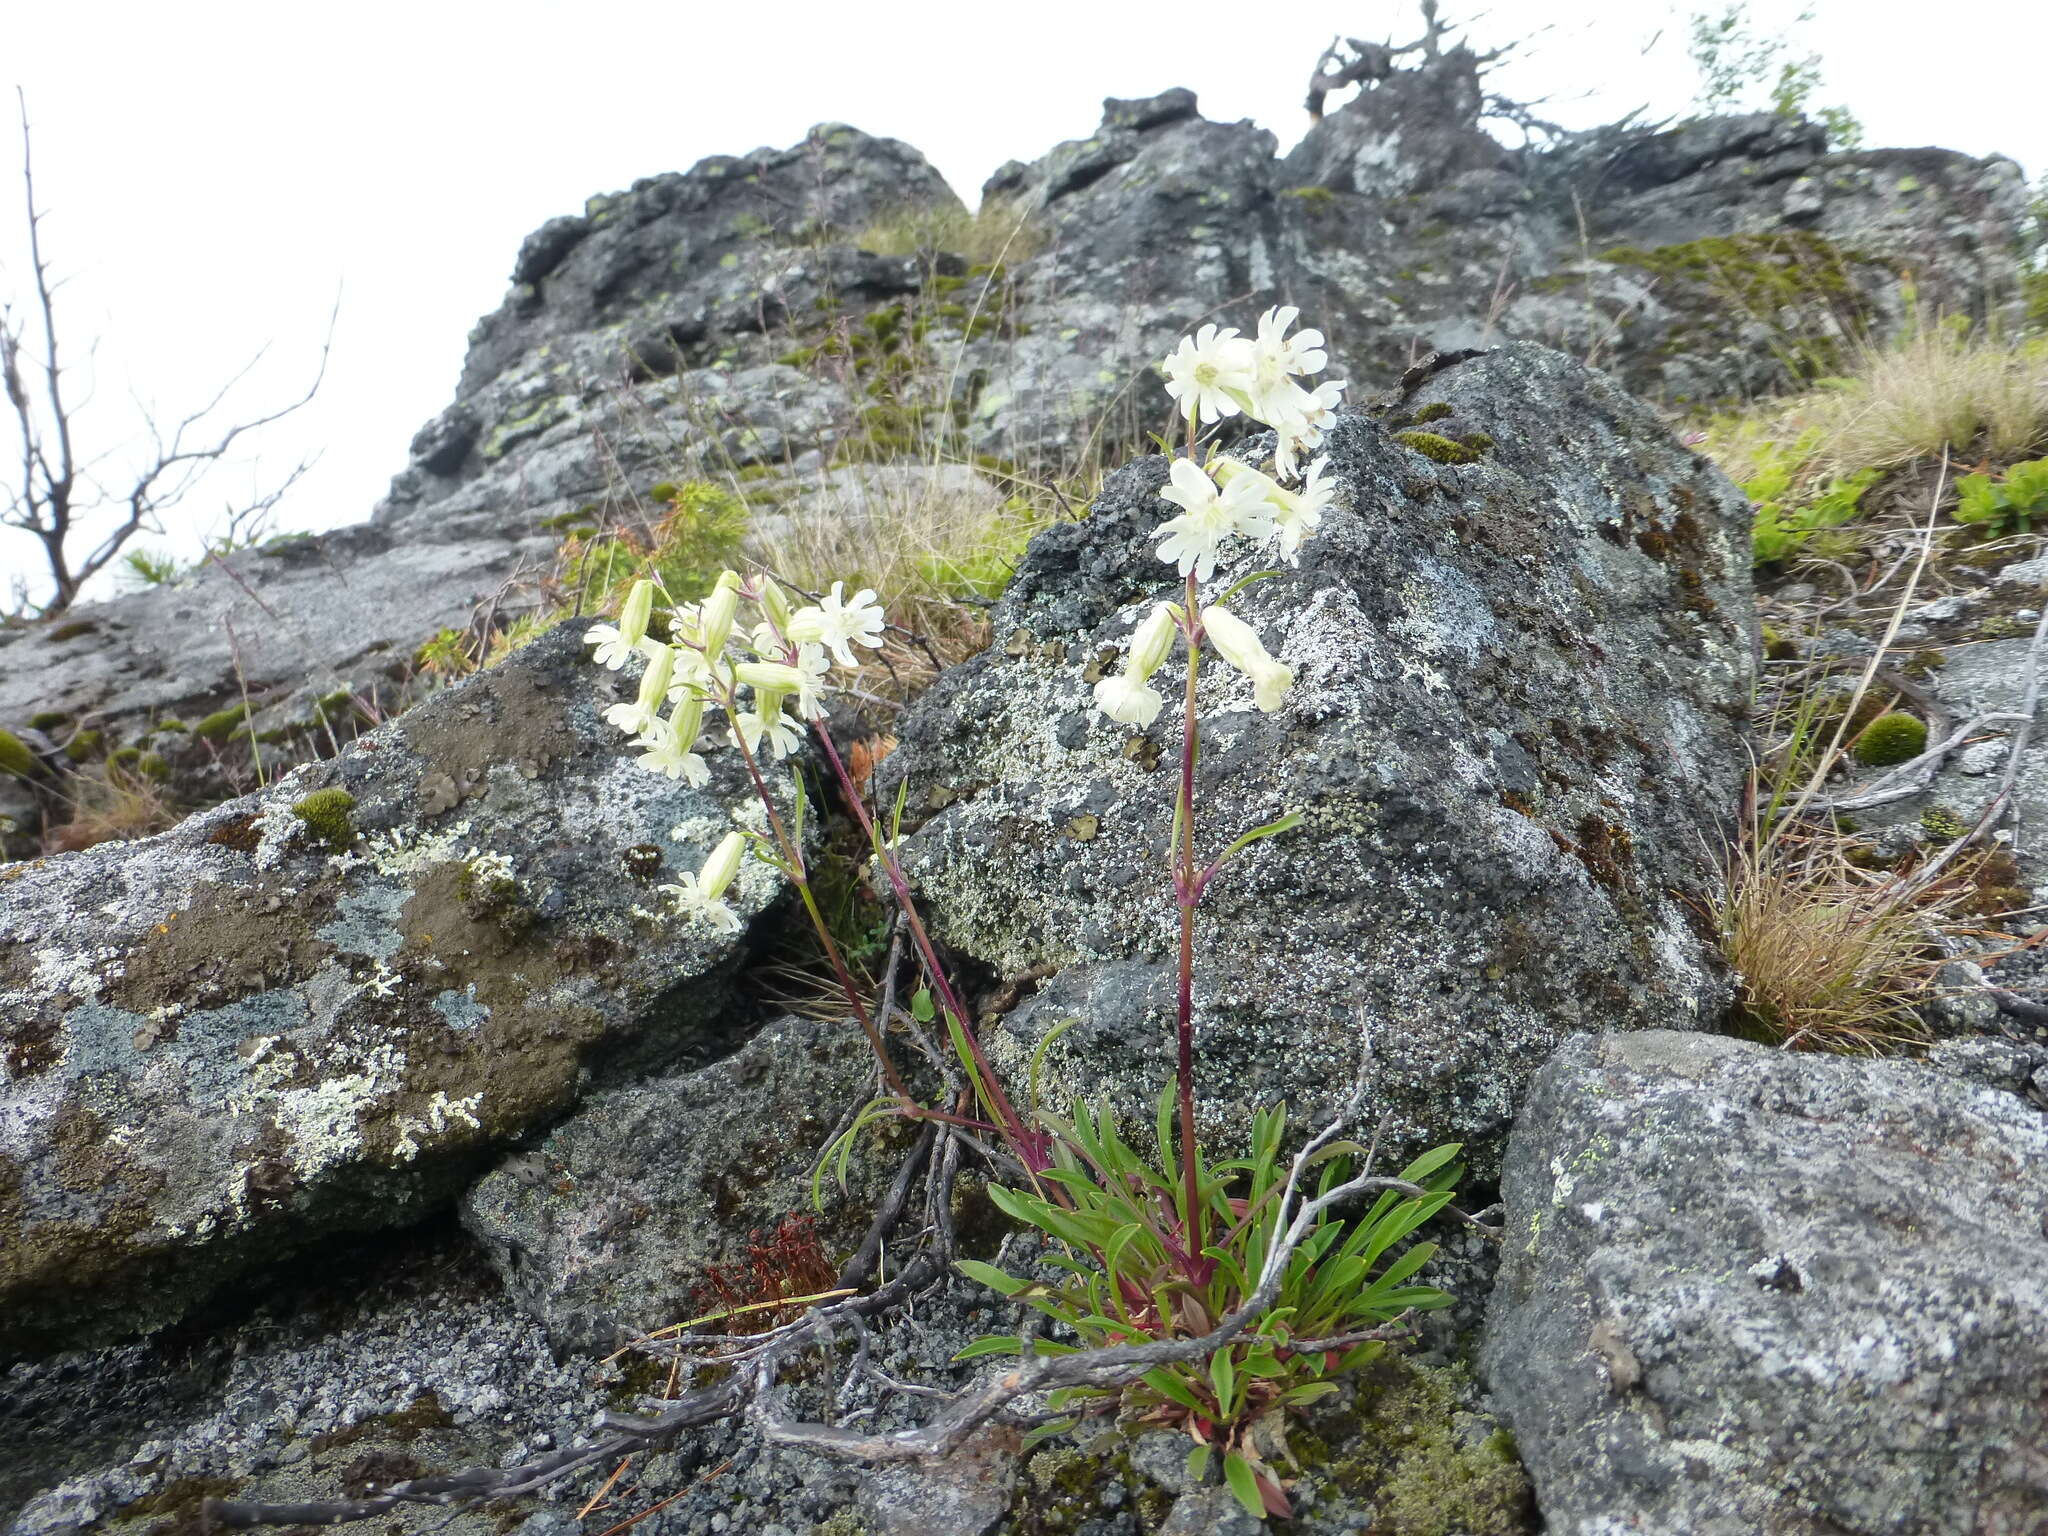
<point x="1256" y="1295"/>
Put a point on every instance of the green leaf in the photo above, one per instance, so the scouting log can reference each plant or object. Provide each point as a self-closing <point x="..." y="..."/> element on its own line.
<point x="1223" y="1377"/>
<point x="995" y="1279"/>
<point x="1418" y="1172"/>
<point x="1162" y="1380"/>
<point x="1038" y="1051"/>
<point x="992" y="1344"/>
<point x="922" y="1008"/>
<point x="1286" y="823"/>
<point x="1239" y="586"/>
<point x="1307" y="1392"/>
<point x="1198" y="1463"/>
<point x="1047" y="1430"/>
<point x="1244" y="1483"/>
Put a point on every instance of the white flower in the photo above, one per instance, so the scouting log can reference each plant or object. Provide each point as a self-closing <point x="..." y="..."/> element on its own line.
<point x="1129" y="699"/>
<point x="857" y="619"/>
<point x="813" y="665"/>
<point x="689" y="899"/>
<point x="1298" y="514"/>
<point x="633" y="718"/>
<point x="663" y="750"/>
<point x="1238" y="643"/>
<point x="612" y="647"/>
<point x="753" y="725"/>
<point x="1191" y="541"/>
<point x="692" y="673"/>
<point x="1276" y="359"/>
<point x="1209" y="372"/>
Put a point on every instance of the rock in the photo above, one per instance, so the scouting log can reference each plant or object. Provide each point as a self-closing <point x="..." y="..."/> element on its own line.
<point x="1209" y="1512"/>
<point x="1514" y="736"/>
<point x="606" y="1228"/>
<point x="963" y="1495"/>
<point x="323" y="1007"/>
<point x="1747" y="1290"/>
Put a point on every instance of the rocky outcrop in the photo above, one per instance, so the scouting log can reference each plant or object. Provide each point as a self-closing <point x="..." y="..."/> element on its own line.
<point x="1745" y="1290"/>
<point x="1514" y="738"/>
<point x="728" y="321"/>
<point x="608" y="1227"/>
<point x="322" y="1008"/>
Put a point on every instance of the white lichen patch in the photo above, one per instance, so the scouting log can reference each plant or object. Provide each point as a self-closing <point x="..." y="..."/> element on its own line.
<point x="441" y="1113"/>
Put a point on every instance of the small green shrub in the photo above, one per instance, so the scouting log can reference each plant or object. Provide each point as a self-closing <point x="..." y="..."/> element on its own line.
<point x="1130" y="1283"/>
<point x="1892" y="739"/>
<point x="326" y="815"/>
<point x="2007" y="506"/>
<point x="152" y="570"/>
<point x="1789" y="514"/>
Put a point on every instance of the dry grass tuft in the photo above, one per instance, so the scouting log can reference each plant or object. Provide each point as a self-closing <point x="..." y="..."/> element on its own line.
<point x="996" y="231"/>
<point x="112" y="805"/>
<point x="1941" y="387"/>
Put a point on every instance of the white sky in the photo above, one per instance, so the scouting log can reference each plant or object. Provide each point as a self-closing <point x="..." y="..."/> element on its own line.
<point x="214" y="173"/>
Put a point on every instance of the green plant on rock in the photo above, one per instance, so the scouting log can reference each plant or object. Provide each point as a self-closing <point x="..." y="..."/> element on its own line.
<point x="1789" y="514"/>
<point x="1129" y="1281"/>
<point x="2004" y="506"/>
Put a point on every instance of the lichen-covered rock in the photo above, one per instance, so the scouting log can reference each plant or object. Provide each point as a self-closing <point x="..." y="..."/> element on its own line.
<point x="1514" y="737"/>
<point x="322" y="1007"/>
<point x="606" y="1229"/>
<point x="1747" y="1290"/>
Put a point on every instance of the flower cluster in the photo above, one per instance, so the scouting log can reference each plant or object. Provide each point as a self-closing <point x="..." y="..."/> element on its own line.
<point x="1214" y="374"/>
<point x="1217" y="373"/>
<point x="766" y="676"/>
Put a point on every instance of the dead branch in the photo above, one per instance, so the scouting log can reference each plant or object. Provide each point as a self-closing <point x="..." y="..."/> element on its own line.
<point x="59" y="493"/>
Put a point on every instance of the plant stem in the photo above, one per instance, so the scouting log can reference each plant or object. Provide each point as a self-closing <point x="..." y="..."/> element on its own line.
<point x="793" y="856"/>
<point x="1187" y="892"/>
<point x="1028" y="1145"/>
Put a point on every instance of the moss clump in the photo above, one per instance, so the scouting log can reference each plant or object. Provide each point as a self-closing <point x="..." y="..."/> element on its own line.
<point x="153" y="765"/>
<point x="48" y="720"/>
<point x="1314" y="197"/>
<point x="1478" y="442"/>
<point x="325" y="813"/>
<point x="1938" y="821"/>
<point x="1891" y="739"/>
<point x="221" y="724"/>
<point x="1429" y="1466"/>
<point x="125" y="757"/>
<point x="1436" y="410"/>
<point x="15" y="757"/>
<point x="84" y="747"/>
<point x="1432" y="445"/>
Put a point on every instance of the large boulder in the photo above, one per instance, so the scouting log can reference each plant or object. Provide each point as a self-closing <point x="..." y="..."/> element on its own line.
<point x="1515" y="738"/>
<point x="1746" y="1290"/>
<point x="322" y="1007"/>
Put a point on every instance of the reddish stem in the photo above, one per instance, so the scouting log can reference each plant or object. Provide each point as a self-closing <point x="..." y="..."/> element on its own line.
<point x="1029" y="1146"/>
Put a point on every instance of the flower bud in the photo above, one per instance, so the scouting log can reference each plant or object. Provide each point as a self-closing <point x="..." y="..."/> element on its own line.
<point x="688" y="719"/>
<point x="661" y="666"/>
<point x="720" y="608"/>
<point x="719" y="869"/>
<point x="775" y="604"/>
<point x="769" y="676"/>
<point x="633" y="618"/>
<point x="1152" y="642"/>
<point x="1239" y="644"/>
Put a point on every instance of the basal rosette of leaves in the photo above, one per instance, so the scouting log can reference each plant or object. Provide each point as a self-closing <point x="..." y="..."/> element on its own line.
<point x="1115" y="1219"/>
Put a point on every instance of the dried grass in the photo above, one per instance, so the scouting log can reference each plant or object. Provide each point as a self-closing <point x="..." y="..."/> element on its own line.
<point x="112" y="805"/>
<point x="1941" y="387"/>
<point x="996" y="231"/>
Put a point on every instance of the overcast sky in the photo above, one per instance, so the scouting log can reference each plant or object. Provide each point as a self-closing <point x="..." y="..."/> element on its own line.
<point x="214" y="174"/>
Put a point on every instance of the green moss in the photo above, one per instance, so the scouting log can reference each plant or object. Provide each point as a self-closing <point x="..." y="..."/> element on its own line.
<point x="1311" y="197"/>
<point x="15" y="757"/>
<point x="337" y="705"/>
<point x="325" y="813"/>
<point x="1431" y="445"/>
<point x="274" y="735"/>
<point x="1429" y="1466"/>
<point x="125" y="757"/>
<point x="171" y="727"/>
<point x="1892" y="739"/>
<point x="153" y="765"/>
<point x="1938" y="821"/>
<point x="84" y="746"/>
<point x="1478" y="442"/>
<point x="221" y="724"/>
<point x="48" y="720"/>
<point x="73" y="630"/>
<point x="1436" y="410"/>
